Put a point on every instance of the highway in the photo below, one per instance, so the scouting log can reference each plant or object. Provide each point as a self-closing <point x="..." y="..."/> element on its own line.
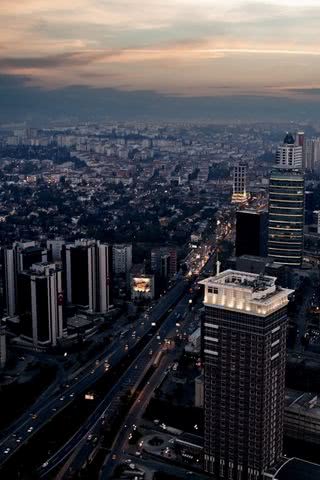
<point x="85" y="437"/>
<point x="133" y="418"/>
<point x="48" y="408"/>
<point x="134" y="415"/>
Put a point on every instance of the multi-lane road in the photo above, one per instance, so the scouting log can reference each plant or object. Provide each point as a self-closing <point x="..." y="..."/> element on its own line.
<point x="49" y="407"/>
<point x="134" y="415"/>
<point x="84" y="440"/>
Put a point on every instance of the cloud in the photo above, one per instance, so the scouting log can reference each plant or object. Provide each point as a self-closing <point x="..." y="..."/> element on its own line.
<point x="52" y="61"/>
<point x="181" y="47"/>
<point x="38" y="106"/>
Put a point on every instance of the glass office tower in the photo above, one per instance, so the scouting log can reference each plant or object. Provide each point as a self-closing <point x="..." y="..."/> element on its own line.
<point x="286" y="216"/>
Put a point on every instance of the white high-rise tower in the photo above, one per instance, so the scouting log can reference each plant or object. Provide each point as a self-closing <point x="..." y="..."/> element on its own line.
<point x="289" y="154"/>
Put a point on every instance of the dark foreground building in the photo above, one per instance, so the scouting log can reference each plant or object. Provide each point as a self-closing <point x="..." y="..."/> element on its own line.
<point x="244" y="340"/>
<point x="251" y="233"/>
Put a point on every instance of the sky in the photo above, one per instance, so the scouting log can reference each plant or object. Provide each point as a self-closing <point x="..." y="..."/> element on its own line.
<point x="180" y="48"/>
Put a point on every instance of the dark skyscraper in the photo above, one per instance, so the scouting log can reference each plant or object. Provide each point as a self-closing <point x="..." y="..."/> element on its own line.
<point x="244" y="341"/>
<point x="15" y="260"/>
<point x="40" y="306"/>
<point x="88" y="266"/>
<point x="251" y="233"/>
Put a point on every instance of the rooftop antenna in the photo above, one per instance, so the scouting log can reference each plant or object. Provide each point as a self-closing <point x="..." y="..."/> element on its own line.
<point x="218" y="263"/>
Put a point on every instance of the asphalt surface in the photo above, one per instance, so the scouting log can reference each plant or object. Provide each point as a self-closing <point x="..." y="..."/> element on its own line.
<point x="93" y="427"/>
<point x="47" y="408"/>
<point x="133" y="418"/>
<point x="127" y="381"/>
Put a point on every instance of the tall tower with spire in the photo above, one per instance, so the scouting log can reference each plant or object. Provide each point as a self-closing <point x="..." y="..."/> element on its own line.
<point x="286" y="205"/>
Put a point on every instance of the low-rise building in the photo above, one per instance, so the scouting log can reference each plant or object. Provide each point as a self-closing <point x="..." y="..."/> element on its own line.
<point x="302" y="416"/>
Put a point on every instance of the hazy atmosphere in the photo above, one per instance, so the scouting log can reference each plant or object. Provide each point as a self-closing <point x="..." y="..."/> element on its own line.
<point x="173" y="48"/>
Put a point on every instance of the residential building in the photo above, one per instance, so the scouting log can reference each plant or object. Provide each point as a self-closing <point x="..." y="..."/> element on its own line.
<point x="122" y="258"/>
<point x="312" y="154"/>
<point x="240" y="181"/>
<point x="164" y="261"/>
<point x="302" y="416"/>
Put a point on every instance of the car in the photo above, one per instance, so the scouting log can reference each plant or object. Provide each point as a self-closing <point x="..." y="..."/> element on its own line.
<point x="45" y="464"/>
<point x="138" y="454"/>
<point x="7" y="450"/>
<point x="61" y="399"/>
<point x="89" y="436"/>
<point x="92" y="372"/>
<point x="71" y="395"/>
<point x="114" y="456"/>
<point x="18" y="440"/>
<point x="30" y="429"/>
<point x="54" y="409"/>
<point x="34" y="416"/>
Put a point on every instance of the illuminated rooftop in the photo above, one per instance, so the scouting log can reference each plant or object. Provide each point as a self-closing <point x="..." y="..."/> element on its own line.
<point x="245" y="292"/>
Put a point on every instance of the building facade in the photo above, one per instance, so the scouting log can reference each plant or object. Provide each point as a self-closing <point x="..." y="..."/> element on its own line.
<point x="240" y="183"/>
<point x="312" y="154"/>
<point x="164" y="261"/>
<point x="3" y="346"/>
<point x="41" y="304"/>
<point x="244" y="341"/>
<point x="286" y="216"/>
<point x="122" y="258"/>
<point x="290" y="153"/>
<point x="87" y="267"/>
<point x="302" y="416"/>
<point x="15" y="260"/>
<point x="251" y="233"/>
